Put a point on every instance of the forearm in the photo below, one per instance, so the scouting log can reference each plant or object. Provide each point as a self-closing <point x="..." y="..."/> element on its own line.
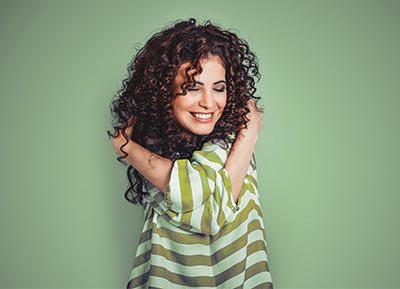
<point x="156" y="169"/>
<point x="239" y="160"/>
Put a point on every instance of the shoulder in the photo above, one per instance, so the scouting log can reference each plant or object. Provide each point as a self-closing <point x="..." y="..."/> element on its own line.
<point x="216" y="151"/>
<point x="219" y="144"/>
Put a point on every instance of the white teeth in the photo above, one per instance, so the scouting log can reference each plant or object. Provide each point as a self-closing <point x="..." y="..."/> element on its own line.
<point x="202" y="115"/>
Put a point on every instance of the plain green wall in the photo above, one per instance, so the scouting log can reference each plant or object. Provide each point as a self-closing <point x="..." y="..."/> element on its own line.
<point x="328" y="156"/>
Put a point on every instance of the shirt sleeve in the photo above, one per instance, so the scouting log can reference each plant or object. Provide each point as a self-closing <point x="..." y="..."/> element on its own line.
<point x="200" y="191"/>
<point x="250" y="181"/>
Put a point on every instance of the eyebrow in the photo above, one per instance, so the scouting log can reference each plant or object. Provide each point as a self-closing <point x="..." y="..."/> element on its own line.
<point x="217" y="82"/>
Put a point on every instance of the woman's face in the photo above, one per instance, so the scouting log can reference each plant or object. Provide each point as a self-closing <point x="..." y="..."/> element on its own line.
<point x="199" y="110"/>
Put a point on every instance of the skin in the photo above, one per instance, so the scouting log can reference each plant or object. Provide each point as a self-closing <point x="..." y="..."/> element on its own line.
<point x="157" y="170"/>
<point x="199" y="110"/>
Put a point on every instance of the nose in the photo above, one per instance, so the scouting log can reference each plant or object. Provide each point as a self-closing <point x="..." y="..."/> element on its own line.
<point x="206" y="100"/>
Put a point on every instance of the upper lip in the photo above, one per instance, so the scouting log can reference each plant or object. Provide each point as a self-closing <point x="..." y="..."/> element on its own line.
<point x="195" y="112"/>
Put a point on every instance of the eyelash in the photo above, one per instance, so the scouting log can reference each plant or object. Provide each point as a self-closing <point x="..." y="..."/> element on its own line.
<point x="220" y="89"/>
<point x="216" y="89"/>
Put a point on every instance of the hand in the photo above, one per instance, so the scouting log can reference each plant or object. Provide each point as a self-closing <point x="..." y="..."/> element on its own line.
<point x="255" y="123"/>
<point x="118" y="141"/>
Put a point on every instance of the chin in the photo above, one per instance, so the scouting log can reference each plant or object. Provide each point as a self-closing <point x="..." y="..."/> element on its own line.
<point x="202" y="131"/>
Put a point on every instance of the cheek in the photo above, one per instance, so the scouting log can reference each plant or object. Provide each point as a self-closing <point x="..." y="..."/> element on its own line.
<point x="175" y="105"/>
<point x="185" y="104"/>
<point x="222" y="102"/>
<point x="179" y="107"/>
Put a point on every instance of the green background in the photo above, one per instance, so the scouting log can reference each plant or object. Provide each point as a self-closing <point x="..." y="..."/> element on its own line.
<point x="328" y="156"/>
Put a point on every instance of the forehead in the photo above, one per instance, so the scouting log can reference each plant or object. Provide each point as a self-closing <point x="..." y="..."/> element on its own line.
<point x="212" y="68"/>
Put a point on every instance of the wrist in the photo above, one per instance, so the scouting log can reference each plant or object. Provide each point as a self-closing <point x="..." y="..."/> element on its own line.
<point x="126" y="148"/>
<point x="247" y="137"/>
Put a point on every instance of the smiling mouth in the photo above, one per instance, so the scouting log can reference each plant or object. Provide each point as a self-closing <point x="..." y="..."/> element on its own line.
<point x="202" y="115"/>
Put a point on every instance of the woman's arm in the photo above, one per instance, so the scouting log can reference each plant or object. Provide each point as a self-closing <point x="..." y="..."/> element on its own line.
<point x="242" y="149"/>
<point x="157" y="169"/>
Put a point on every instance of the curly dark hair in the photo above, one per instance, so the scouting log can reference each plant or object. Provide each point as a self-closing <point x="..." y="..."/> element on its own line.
<point x="147" y="92"/>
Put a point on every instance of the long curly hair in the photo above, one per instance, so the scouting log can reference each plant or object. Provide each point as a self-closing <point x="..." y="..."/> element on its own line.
<point x="147" y="92"/>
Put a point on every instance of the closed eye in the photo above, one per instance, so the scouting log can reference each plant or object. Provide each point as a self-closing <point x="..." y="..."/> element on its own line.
<point x="222" y="89"/>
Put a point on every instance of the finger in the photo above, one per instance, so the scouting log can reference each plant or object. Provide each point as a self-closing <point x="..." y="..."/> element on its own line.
<point x="128" y="130"/>
<point x="258" y="107"/>
<point x="251" y="101"/>
<point x="132" y="120"/>
<point x="130" y="124"/>
<point x="251" y="104"/>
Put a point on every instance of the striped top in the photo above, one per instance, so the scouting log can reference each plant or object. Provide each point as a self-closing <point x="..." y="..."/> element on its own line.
<point x="196" y="236"/>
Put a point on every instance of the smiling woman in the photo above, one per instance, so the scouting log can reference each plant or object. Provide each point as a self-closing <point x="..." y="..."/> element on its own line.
<point x="186" y="122"/>
<point x="201" y="107"/>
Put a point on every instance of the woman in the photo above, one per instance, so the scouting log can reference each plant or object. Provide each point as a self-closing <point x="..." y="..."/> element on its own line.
<point x="186" y="122"/>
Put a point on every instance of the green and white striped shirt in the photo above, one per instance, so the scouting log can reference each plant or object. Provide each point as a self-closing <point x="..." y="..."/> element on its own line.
<point x="196" y="236"/>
